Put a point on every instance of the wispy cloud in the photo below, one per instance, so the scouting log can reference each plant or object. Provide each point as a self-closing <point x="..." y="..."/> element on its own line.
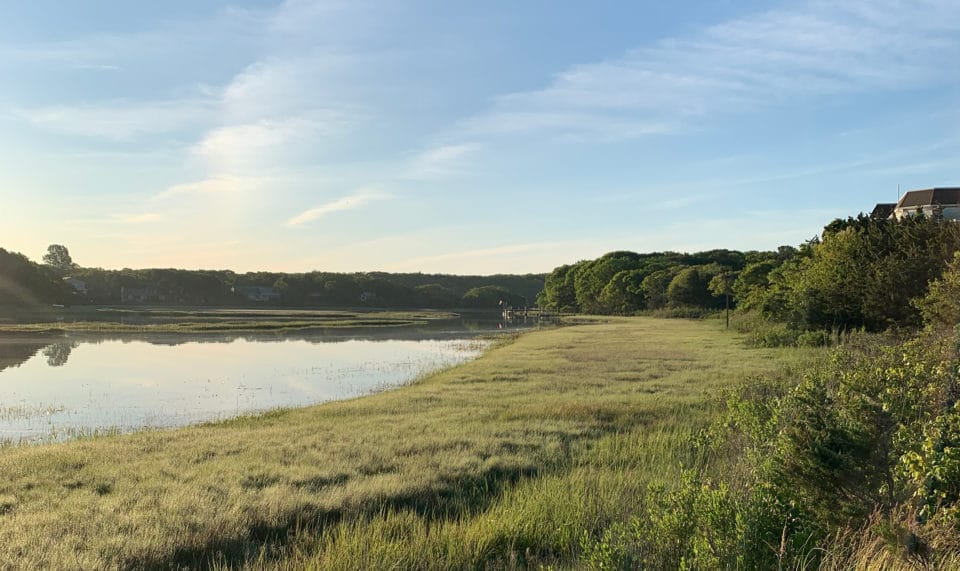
<point x="240" y="147"/>
<point x="213" y="185"/>
<point x="441" y="162"/>
<point x="817" y="49"/>
<point x="120" y="120"/>
<point x="98" y="67"/>
<point x="351" y="202"/>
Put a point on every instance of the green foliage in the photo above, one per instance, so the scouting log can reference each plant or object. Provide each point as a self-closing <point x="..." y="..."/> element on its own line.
<point x="814" y="339"/>
<point x="24" y="284"/>
<point x="866" y="273"/>
<point x="750" y="287"/>
<point x="593" y="277"/>
<point x="625" y="283"/>
<point x="58" y="258"/>
<point x="654" y="287"/>
<point x="623" y="294"/>
<point x="490" y="297"/>
<point x="696" y="525"/>
<point x="873" y="434"/>
<point x="436" y="295"/>
<point x="558" y="288"/>
<point x="933" y="468"/>
<point x="941" y="306"/>
<point x="691" y="287"/>
<point x="772" y="334"/>
<point x="313" y="289"/>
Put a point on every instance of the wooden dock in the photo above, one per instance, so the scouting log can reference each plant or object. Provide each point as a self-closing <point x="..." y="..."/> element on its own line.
<point x="531" y="313"/>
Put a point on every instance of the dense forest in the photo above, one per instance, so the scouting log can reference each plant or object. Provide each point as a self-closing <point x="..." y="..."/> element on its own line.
<point x="23" y="282"/>
<point x="861" y="273"/>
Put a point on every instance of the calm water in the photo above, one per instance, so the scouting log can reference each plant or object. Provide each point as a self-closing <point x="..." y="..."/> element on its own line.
<point x="56" y="389"/>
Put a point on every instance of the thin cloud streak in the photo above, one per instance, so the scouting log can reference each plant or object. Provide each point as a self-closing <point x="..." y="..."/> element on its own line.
<point x="213" y="185"/>
<point x="820" y="49"/>
<point x="441" y="162"/>
<point x="121" y="120"/>
<point x="351" y="202"/>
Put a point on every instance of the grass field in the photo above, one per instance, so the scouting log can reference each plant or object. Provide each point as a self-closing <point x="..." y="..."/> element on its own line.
<point x="503" y="462"/>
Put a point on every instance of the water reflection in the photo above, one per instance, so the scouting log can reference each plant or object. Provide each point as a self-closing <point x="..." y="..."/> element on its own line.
<point x="58" y="388"/>
<point x="15" y="351"/>
<point x="58" y="353"/>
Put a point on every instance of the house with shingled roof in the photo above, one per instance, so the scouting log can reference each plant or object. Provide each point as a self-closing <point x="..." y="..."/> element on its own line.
<point x="931" y="202"/>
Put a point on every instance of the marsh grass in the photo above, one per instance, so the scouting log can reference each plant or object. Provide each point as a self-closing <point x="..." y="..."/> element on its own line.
<point x="503" y="462"/>
<point x="22" y="411"/>
<point x="163" y="320"/>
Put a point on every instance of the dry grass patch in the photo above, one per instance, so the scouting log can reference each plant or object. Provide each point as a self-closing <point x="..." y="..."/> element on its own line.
<point x="507" y="458"/>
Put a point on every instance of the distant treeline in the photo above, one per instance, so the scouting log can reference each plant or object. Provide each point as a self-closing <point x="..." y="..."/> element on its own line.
<point x="627" y="282"/>
<point x="862" y="273"/>
<point x="23" y="282"/>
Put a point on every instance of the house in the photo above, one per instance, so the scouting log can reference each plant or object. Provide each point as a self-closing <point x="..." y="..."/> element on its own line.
<point x="931" y="202"/>
<point x="79" y="286"/>
<point x="257" y="293"/>
<point x="883" y="210"/>
<point x="138" y="294"/>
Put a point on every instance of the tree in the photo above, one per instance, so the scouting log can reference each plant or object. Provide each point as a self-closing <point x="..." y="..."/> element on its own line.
<point x="58" y="258"/>
<point x="592" y="277"/>
<point x="941" y="306"/>
<point x="489" y="297"/>
<point x="558" y="288"/>
<point x="623" y="294"/>
<point x="690" y="287"/>
<point x="655" y="285"/>
<point x="721" y="285"/>
<point x="751" y="285"/>
<point x="24" y="283"/>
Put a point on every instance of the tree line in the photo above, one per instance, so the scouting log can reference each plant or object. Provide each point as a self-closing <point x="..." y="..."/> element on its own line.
<point x="860" y="273"/>
<point x="24" y="282"/>
<point x="625" y="282"/>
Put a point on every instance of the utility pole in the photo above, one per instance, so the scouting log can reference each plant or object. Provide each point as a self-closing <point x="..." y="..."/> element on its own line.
<point x="727" y="295"/>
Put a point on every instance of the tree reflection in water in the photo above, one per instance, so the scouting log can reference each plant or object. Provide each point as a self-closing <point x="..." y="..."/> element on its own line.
<point x="58" y="353"/>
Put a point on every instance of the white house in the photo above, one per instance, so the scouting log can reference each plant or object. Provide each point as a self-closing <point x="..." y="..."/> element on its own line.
<point x="257" y="293"/>
<point x="79" y="286"/>
<point x="931" y="202"/>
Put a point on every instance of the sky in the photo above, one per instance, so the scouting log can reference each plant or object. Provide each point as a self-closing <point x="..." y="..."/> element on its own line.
<point x="461" y="137"/>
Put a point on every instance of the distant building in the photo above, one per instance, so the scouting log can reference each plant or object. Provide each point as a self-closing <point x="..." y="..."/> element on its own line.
<point x="257" y="293"/>
<point x="79" y="286"/>
<point x="138" y="294"/>
<point x="931" y="202"/>
<point x="883" y="210"/>
<point x="367" y="297"/>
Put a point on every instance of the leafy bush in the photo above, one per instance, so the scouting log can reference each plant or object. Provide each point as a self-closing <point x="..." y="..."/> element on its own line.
<point x="814" y="339"/>
<point x="773" y="335"/>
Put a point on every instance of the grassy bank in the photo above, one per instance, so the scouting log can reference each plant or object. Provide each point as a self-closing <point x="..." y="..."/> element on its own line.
<point x="507" y="460"/>
<point x="165" y="320"/>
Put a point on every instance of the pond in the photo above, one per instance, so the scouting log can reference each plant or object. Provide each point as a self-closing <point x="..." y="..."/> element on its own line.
<point x="82" y="384"/>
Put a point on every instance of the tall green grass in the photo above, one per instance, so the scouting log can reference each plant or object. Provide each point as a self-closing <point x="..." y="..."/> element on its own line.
<point x="508" y="461"/>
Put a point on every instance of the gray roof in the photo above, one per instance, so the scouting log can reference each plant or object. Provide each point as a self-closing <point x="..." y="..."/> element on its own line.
<point x="930" y="196"/>
<point x="883" y="210"/>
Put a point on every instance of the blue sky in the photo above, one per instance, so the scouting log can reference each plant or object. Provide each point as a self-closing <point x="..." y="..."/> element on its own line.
<point x="460" y="137"/>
